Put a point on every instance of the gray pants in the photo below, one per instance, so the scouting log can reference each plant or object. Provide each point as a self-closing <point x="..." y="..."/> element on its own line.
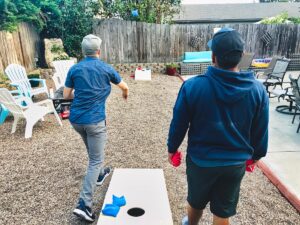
<point x="94" y="137"/>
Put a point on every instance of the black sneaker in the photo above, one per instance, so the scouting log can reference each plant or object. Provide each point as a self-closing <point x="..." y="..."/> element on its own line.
<point x="84" y="212"/>
<point x="102" y="177"/>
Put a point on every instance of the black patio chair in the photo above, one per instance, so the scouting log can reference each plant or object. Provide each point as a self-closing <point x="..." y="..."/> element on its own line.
<point x="276" y="77"/>
<point x="295" y="85"/>
<point x="265" y="72"/>
<point x="246" y="61"/>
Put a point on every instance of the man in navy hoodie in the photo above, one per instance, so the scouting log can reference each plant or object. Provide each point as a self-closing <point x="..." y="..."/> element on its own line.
<point x="226" y="114"/>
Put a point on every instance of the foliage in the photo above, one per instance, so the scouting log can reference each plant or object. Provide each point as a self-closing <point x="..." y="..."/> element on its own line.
<point x="295" y="20"/>
<point x="61" y="57"/>
<point x="5" y="82"/>
<point x="74" y="15"/>
<point x="56" y="49"/>
<point x="150" y="11"/>
<point x="172" y="65"/>
<point x="282" y="18"/>
<point x="71" y="20"/>
<point x="13" y="12"/>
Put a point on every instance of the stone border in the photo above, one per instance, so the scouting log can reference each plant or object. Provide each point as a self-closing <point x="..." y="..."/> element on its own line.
<point x="130" y="67"/>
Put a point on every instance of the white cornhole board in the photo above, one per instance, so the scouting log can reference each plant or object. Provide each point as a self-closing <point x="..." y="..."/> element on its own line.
<point x="186" y="77"/>
<point x="142" y="74"/>
<point x="142" y="188"/>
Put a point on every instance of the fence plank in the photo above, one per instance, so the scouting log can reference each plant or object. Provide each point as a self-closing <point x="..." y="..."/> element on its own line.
<point x="128" y="42"/>
<point x="21" y="47"/>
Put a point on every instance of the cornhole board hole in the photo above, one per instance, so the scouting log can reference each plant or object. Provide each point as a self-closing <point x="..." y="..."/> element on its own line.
<point x="142" y="74"/>
<point x="146" y="198"/>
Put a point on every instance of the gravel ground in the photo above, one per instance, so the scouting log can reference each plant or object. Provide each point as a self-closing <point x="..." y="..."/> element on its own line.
<point x="40" y="178"/>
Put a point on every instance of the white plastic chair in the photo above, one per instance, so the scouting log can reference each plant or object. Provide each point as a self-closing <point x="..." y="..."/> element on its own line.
<point x="32" y="112"/>
<point x="62" y="68"/>
<point x="18" y="76"/>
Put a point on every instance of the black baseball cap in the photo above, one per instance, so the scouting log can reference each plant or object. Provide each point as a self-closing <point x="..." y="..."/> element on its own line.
<point x="227" y="42"/>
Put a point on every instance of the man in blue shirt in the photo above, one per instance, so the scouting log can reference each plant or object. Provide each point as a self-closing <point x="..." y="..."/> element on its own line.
<point x="90" y="79"/>
<point x="225" y="112"/>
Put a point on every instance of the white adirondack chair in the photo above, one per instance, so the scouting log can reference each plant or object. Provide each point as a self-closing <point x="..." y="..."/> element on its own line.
<point x="32" y="112"/>
<point x="18" y="76"/>
<point x="62" y="68"/>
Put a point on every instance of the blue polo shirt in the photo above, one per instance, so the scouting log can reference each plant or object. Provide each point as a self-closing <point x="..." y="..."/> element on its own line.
<point x="90" y="79"/>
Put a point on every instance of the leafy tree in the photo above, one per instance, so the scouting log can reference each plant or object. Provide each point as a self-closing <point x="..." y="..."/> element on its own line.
<point x="71" y="22"/>
<point x="151" y="11"/>
<point x="12" y="12"/>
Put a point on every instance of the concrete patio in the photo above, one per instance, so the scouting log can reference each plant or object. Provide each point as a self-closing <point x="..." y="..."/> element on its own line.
<point x="284" y="153"/>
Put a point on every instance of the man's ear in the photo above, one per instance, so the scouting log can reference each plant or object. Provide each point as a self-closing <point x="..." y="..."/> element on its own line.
<point x="213" y="58"/>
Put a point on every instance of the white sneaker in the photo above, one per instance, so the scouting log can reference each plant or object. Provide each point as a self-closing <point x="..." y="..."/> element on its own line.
<point x="185" y="220"/>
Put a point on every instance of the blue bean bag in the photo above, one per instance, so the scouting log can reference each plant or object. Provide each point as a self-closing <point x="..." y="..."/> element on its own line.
<point x="111" y="210"/>
<point x="119" y="201"/>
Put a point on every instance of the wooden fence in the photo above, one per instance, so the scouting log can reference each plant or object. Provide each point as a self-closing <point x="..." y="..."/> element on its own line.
<point x="136" y="42"/>
<point x="21" y="47"/>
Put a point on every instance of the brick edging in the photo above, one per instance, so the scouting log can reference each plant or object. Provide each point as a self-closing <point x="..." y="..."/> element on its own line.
<point x="291" y="197"/>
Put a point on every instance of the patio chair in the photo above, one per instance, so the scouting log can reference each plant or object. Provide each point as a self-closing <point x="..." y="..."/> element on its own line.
<point x="276" y="77"/>
<point x="295" y="85"/>
<point x="265" y="72"/>
<point x="18" y="76"/>
<point x="246" y="61"/>
<point x="32" y="112"/>
<point x="3" y="113"/>
<point x="62" y="68"/>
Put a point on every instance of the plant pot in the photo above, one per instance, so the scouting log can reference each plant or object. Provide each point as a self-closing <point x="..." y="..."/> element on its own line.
<point x="32" y="82"/>
<point x="171" y="71"/>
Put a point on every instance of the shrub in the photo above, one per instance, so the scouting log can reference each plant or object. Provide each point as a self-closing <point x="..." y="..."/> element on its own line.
<point x="172" y="65"/>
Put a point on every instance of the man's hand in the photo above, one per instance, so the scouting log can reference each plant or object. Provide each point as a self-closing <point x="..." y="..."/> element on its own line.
<point x="125" y="90"/>
<point x="68" y="93"/>
<point x="125" y="95"/>
<point x="175" y="158"/>
<point x="170" y="158"/>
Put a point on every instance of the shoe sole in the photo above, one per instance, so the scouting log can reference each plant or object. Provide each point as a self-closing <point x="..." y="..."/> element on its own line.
<point x="100" y="183"/>
<point x="81" y="214"/>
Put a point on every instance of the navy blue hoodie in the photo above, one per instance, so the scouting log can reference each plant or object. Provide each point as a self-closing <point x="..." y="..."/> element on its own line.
<point x="226" y="114"/>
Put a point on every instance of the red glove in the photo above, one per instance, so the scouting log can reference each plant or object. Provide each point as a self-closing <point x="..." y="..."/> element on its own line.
<point x="250" y="165"/>
<point x="176" y="159"/>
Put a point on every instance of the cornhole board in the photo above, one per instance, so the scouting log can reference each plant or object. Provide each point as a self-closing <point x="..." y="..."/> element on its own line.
<point x="188" y="77"/>
<point x="143" y="74"/>
<point x="142" y="188"/>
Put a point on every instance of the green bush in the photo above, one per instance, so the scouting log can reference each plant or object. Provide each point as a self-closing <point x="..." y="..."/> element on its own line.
<point x="5" y="82"/>
<point x="282" y="18"/>
<point x="57" y="49"/>
<point x="12" y="12"/>
<point x="172" y="65"/>
<point x="61" y="57"/>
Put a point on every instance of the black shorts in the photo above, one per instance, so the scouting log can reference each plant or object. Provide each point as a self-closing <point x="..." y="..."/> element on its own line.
<point x="218" y="185"/>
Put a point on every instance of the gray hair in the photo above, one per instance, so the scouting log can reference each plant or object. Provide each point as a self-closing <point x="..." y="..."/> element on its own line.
<point x="90" y="45"/>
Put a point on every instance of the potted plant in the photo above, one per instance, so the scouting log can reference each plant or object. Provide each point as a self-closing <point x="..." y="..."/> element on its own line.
<point x="171" y="69"/>
<point x="34" y="83"/>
